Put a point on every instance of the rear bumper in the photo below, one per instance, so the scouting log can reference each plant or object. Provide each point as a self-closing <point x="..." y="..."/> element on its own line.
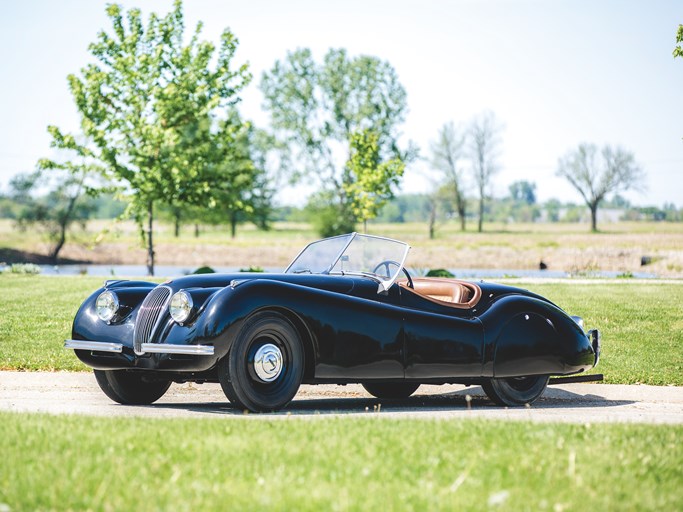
<point x="594" y="336"/>
<point x="146" y="348"/>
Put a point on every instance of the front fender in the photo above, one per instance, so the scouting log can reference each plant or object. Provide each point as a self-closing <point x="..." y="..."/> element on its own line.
<point x="528" y="336"/>
<point x="225" y="312"/>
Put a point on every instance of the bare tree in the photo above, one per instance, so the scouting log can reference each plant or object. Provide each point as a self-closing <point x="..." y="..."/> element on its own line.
<point x="484" y="144"/>
<point x="595" y="174"/>
<point x="447" y="151"/>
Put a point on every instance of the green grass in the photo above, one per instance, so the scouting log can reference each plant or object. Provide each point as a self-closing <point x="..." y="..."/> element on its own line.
<point x="70" y="462"/>
<point x="641" y="324"/>
<point x="36" y="316"/>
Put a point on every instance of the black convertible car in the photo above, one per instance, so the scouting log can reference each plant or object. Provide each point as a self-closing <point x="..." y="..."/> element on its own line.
<point x="346" y="310"/>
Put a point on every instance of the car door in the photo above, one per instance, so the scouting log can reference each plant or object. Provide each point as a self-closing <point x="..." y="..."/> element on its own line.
<point x="360" y="334"/>
<point x="441" y="341"/>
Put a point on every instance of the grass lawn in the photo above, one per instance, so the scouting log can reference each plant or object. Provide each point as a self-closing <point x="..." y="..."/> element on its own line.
<point x="79" y="463"/>
<point x="641" y="322"/>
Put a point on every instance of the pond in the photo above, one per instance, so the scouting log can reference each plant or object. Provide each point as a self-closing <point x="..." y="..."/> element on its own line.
<point x="114" y="271"/>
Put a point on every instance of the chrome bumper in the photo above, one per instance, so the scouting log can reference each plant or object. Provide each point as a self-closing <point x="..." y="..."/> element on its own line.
<point x="147" y="348"/>
<point x="594" y="336"/>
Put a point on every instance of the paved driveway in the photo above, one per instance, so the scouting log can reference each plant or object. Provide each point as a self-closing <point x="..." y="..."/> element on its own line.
<point x="77" y="393"/>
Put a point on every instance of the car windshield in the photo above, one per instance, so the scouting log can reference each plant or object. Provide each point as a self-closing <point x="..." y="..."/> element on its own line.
<point x="354" y="254"/>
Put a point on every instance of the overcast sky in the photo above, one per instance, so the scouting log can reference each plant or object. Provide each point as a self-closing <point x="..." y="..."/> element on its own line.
<point x="556" y="73"/>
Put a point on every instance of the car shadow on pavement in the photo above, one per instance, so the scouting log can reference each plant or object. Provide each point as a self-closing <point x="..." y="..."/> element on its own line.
<point x="462" y="400"/>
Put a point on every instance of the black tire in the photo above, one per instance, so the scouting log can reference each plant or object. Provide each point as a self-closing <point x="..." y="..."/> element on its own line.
<point x="515" y="391"/>
<point x="237" y="371"/>
<point x="391" y="390"/>
<point x="130" y="388"/>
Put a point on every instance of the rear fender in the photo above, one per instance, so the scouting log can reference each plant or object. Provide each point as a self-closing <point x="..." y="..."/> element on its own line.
<point x="528" y="336"/>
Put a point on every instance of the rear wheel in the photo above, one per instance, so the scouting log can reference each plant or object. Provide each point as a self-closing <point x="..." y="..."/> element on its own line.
<point x="265" y="365"/>
<point x="388" y="390"/>
<point x="131" y="388"/>
<point x="515" y="391"/>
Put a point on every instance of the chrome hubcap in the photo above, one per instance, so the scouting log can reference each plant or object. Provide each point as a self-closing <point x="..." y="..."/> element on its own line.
<point x="268" y="362"/>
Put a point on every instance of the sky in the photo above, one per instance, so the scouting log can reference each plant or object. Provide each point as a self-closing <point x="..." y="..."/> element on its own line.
<point x="555" y="73"/>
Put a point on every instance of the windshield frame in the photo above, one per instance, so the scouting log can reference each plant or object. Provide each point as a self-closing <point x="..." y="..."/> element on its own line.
<point x="384" y="282"/>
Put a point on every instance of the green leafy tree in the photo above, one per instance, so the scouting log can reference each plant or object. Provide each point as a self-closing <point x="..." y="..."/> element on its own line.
<point x="678" y="50"/>
<point x="249" y="196"/>
<point x="368" y="181"/>
<point x="595" y="174"/>
<point x="523" y="192"/>
<point x="316" y="109"/>
<point x="152" y="107"/>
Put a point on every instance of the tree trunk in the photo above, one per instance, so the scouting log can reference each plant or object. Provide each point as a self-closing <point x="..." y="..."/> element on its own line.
<point x="64" y="222"/>
<point x="176" y="218"/>
<point x="594" y="217"/>
<point x="196" y="230"/>
<point x="480" y="227"/>
<point x="58" y="247"/>
<point x="233" y="224"/>
<point x="150" y="241"/>
<point x="432" y="220"/>
<point x="460" y="205"/>
<point x="365" y="226"/>
<point x="462" y="212"/>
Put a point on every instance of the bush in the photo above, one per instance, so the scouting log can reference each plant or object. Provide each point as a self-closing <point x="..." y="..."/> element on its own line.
<point x="204" y="270"/>
<point x="23" y="268"/>
<point x="439" y="272"/>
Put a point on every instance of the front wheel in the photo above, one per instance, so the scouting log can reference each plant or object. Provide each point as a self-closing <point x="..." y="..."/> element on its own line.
<point x="389" y="390"/>
<point x="131" y="388"/>
<point x="515" y="391"/>
<point x="265" y="365"/>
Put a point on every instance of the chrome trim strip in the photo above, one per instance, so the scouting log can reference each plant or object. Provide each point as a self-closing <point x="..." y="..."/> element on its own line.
<point x="164" y="348"/>
<point x="97" y="346"/>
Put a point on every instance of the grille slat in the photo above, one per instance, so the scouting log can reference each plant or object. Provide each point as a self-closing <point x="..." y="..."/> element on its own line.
<point x="149" y="315"/>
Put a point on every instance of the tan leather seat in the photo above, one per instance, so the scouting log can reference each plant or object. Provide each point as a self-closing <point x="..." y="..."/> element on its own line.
<point x="459" y="294"/>
<point x="442" y="290"/>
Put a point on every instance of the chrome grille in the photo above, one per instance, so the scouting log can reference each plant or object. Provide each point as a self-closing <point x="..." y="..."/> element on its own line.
<point x="151" y="312"/>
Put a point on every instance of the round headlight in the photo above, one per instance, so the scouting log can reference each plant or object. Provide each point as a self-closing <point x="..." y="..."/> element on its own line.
<point x="107" y="305"/>
<point x="180" y="306"/>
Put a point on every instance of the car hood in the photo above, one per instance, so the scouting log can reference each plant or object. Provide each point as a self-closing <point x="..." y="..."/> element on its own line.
<point x="339" y="284"/>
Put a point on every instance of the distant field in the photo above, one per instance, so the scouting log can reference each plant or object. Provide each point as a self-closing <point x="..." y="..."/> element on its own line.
<point x="83" y="463"/>
<point x="641" y="323"/>
<point x="565" y="247"/>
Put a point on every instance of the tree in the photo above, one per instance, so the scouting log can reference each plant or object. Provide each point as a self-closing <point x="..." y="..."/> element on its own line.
<point x="596" y="174"/>
<point x="678" y="50"/>
<point x="368" y="180"/>
<point x="151" y="106"/>
<point x="54" y="213"/>
<point x="485" y="140"/>
<point x="316" y="109"/>
<point x="447" y="151"/>
<point x="523" y="192"/>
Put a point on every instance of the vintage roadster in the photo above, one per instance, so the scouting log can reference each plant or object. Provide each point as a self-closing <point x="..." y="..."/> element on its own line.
<point x="345" y="310"/>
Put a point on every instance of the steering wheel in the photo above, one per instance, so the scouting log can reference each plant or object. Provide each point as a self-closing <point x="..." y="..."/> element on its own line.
<point x="386" y="264"/>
